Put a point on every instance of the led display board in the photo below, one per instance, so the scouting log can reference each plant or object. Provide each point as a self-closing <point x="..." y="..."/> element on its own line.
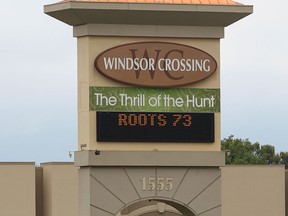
<point x="155" y="127"/>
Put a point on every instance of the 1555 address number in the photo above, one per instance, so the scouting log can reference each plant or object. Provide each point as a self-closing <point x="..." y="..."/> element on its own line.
<point x="159" y="183"/>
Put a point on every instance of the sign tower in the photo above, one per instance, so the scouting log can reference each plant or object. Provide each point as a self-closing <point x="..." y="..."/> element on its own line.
<point x="149" y="103"/>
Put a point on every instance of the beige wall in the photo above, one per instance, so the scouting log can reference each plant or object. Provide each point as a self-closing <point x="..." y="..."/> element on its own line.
<point x="17" y="189"/>
<point x="60" y="189"/>
<point x="246" y="190"/>
<point x="253" y="190"/>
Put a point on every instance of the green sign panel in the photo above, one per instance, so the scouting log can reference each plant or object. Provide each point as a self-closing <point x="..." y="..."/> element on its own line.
<point x="154" y="99"/>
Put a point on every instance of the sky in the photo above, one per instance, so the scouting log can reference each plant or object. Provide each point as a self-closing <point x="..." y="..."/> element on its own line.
<point x="38" y="86"/>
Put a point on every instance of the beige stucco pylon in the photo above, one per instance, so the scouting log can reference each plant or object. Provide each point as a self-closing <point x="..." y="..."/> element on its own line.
<point x="117" y="176"/>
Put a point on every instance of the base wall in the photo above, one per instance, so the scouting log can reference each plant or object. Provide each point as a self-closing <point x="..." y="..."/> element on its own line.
<point x="17" y="189"/>
<point x="60" y="189"/>
<point x="253" y="190"/>
<point x="246" y="190"/>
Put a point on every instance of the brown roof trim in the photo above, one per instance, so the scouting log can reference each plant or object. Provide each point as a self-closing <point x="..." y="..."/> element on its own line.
<point x="196" y="2"/>
<point x="17" y="163"/>
<point x="56" y="163"/>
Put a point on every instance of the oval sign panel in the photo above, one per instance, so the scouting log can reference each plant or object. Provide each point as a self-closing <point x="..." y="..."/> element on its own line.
<point x="155" y="64"/>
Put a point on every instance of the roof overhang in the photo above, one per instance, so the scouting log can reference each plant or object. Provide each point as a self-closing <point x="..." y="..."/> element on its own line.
<point x="80" y="13"/>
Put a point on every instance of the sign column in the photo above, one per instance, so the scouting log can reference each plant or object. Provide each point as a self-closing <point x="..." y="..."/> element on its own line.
<point x="149" y="103"/>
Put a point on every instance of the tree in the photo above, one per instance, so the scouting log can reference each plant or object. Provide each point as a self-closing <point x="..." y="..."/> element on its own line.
<point x="241" y="151"/>
<point x="284" y="159"/>
<point x="268" y="156"/>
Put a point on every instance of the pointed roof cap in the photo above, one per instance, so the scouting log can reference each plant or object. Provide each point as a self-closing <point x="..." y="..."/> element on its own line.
<point x="213" y="13"/>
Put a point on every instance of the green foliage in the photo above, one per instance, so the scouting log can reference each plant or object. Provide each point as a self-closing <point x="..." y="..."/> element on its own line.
<point x="284" y="159"/>
<point x="239" y="151"/>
